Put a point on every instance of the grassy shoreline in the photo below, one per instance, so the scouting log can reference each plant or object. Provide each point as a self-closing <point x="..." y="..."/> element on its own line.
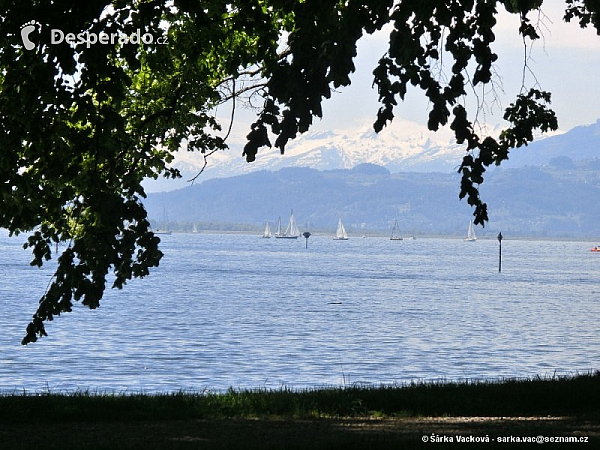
<point x="350" y="417"/>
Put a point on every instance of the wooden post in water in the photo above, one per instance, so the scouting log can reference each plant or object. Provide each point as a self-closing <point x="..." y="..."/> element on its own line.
<point x="306" y="235"/>
<point x="500" y="252"/>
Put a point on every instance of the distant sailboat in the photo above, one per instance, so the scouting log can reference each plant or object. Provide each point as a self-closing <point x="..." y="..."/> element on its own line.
<point x="291" y="232"/>
<point x="395" y="232"/>
<point x="471" y="233"/>
<point x="340" y="234"/>
<point x="267" y="233"/>
<point x="166" y="222"/>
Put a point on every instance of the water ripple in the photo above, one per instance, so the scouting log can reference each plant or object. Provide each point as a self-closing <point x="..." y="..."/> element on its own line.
<point x="246" y="312"/>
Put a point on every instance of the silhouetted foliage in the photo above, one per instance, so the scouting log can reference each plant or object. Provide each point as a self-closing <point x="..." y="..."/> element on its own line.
<point x="83" y="122"/>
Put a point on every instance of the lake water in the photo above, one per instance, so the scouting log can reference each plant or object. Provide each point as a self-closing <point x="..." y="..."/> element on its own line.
<point x="246" y="312"/>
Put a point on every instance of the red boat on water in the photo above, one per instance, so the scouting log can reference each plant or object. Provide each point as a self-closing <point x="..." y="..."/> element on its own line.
<point x="595" y="249"/>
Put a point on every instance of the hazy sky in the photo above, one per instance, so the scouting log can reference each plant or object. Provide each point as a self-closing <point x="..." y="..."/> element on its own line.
<point x="566" y="62"/>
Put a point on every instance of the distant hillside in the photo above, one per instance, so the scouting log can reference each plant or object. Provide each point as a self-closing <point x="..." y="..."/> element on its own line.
<point x="533" y="201"/>
<point x="579" y="144"/>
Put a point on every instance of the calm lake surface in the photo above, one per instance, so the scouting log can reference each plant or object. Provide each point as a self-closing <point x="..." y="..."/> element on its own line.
<point x="240" y="311"/>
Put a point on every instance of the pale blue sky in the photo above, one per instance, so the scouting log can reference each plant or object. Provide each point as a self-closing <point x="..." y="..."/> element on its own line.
<point x="565" y="62"/>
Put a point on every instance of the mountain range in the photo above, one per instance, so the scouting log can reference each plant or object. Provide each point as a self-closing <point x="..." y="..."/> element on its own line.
<point x="550" y="188"/>
<point x="403" y="146"/>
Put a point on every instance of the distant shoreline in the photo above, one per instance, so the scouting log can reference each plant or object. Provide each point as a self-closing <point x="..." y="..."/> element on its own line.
<point x="354" y="234"/>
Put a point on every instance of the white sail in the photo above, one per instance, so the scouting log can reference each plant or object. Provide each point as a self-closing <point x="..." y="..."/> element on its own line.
<point x="471" y="233"/>
<point x="292" y="229"/>
<point x="267" y="233"/>
<point x="291" y="232"/>
<point x="340" y="234"/>
<point x="395" y="232"/>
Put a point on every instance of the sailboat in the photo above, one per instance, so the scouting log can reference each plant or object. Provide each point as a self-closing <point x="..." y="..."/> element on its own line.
<point x="471" y="233"/>
<point x="291" y="232"/>
<point x="267" y="233"/>
<point x="340" y="234"/>
<point x="395" y="232"/>
<point x="165" y="221"/>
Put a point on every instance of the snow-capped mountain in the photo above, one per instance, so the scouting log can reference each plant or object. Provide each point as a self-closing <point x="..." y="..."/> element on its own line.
<point x="402" y="146"/>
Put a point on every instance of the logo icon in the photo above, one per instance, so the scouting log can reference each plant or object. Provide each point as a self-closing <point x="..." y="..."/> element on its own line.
<point x="26" y="30"/>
